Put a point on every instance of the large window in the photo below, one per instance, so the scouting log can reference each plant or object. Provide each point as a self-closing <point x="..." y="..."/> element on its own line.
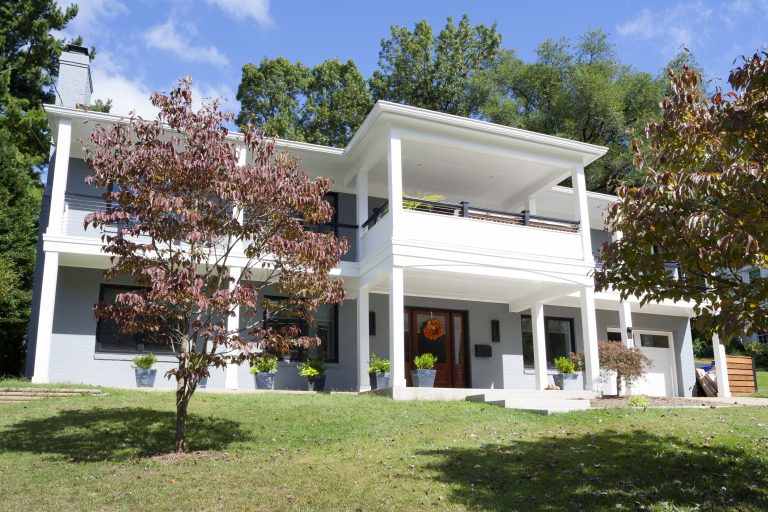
<point x="325" y="328"/>
<point x="110" y="339"/>
<point x="559" y="339"/>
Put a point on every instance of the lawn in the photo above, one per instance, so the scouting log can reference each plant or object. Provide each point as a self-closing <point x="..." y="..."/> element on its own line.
<point x="762" y="384"/>
<point x="346" y="452"/>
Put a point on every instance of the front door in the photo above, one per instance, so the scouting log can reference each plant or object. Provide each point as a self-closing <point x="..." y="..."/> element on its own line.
<point x="441" y="333"/>
<point x="659" y="378"/>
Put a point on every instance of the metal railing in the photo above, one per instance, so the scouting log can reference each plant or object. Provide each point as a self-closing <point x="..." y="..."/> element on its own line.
<point x="463" y="209"/>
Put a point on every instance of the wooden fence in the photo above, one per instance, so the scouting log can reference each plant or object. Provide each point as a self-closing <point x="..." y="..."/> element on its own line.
<point x="741" y="374"/>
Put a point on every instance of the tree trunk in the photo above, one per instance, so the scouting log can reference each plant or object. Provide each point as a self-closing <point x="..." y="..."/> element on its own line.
<point x="182" y="401"/>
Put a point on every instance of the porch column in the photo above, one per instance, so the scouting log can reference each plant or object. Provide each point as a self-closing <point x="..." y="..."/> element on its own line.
<point x="721" y="368"/>
<point x="40" y="373"/>
<point x="539" y="345"/>
<point x="395" y="175"/>
<point x="396" y="327"/>
<point x="589" y="337"/>
<point x="530" y="205"/>
<point x="363" y="339"/>
<point x="60" y="172"/>
<point x="625" y="322"/>
<point x="362" y="201"/>
<point x="233" y="325"/>
<point x="582" y="211"/>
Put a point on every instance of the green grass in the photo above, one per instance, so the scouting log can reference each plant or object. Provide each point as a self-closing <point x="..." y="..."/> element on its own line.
<point x="348" y="452"/>
<point x="21" y="383"/>
<point x="762" y="384"/>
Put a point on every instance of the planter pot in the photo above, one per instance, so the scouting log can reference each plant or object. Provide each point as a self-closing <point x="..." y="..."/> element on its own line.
<point x="316" y="383"/>
<point x="264" y="380"/>
<point x="423" y="378"/>
<point x="145" y="378"/>
<point x="379" y="380"/>
<point x="569" y="381"/>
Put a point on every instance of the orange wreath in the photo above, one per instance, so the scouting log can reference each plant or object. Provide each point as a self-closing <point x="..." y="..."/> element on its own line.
<point x="432" y="329"/>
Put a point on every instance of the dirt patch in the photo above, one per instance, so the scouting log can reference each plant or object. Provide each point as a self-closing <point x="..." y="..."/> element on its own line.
<point x="173" y="457"/>
<point x="653" y="401"/>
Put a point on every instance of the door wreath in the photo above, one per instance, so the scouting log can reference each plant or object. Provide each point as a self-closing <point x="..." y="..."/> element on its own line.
<point x="432" y="329"/>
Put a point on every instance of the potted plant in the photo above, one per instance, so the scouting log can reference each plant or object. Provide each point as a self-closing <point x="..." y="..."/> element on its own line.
<point x="378" y="372"/>
<point x="263" y="369"/>
<point x="567" y="379"/>
<point x="144" y="368"/>
<point x="424" y="374"/>
<point x="314" y="370"/>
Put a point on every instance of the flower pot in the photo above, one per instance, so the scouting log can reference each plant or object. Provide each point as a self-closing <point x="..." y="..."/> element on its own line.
<point x="423" y="378"/>
<point x="264" y="380"/>
<point x="316" y="383"/>
<point x="569" y="381"/>
<point x="145" y="378"/>
<point x="379" y="380"/>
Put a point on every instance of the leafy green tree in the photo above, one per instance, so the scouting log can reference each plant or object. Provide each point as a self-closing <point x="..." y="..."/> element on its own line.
<point x="700" y="217"/>
<point x="436" y="72"/>
<point x="579" y="91"/>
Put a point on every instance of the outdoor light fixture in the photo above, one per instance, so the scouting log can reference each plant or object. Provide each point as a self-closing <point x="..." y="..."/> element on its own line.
<point x="629" y="333"/>
<point x="372" y="323"/>
<point x="495" y="331"/>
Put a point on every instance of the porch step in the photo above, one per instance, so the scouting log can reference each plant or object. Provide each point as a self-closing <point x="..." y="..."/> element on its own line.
<point x="16" y="395"/>
<point x="538" y="402"/>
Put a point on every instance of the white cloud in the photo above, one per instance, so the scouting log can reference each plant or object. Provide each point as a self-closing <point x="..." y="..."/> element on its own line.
<point x="256" y="9"/>
<point x="684" y="24"/>
<point x="166" y="37"/>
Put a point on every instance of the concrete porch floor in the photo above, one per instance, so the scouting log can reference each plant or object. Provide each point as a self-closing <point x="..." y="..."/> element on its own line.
<point x="543" y="402"/>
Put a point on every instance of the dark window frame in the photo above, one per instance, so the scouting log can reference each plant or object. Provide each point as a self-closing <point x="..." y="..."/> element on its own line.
<point x="546" y="320"/>
<point x="164" y="350"/>
<point x="301" y="352"/>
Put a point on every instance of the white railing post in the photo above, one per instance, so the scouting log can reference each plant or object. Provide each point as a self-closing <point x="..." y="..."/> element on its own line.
<point x="395" y="176"/>
<point x="721" y="367"/>
<point x="581" y="206"/>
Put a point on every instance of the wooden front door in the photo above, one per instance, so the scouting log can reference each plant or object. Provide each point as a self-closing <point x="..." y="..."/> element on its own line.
<point x="446" y="340"/>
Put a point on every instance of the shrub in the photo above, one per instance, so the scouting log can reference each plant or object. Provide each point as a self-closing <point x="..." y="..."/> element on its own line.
<point x="577" y="358"/>
<point x="145" y="362"/>
<point x="564" y="365"/>
<point x="264" y="364"/>
<point x="628" y="363"/>
<point x="312" y="367"/>
<point x="702" y="349"/>
<point x="378" y="365"/>
<point x="759" y="351"/>
<point x="425" y="361"/>
<point x="638" y="401"/>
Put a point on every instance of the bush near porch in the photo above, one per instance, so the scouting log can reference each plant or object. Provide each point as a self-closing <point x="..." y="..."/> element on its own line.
<point x="349" y="452"/>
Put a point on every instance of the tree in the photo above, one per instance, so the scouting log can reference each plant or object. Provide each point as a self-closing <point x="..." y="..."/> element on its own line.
<point x="700" y="217"/>
<point x="187" y="213"/>
<point x="627" y="363"/>
<point x="578" y="91"/>
<point x="436" y="72"/>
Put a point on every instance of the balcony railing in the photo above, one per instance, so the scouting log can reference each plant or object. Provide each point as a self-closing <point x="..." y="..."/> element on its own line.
<point x="463" y="209"/>
<point x="78" y="206"/>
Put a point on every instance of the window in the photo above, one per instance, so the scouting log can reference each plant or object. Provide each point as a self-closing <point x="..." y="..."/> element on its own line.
<point x="558" y="333"/>
<point x="110" y="339"/>
<point x="614" y="336"/>
<point x="754" y="275"/>
<point x="325" y="328"/>
<point x="762" y="337"/>
<point x="654" y="340"/>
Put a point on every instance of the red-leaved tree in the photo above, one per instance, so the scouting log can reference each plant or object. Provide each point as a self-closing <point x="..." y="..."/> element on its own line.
<point x="188" y="217"/>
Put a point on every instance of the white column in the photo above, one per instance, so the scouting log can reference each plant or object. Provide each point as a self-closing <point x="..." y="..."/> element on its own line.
<point x="582" y="211"/>
<point x="233" y="325"/>
<point x="362" y="201"/>
<point x="395" y="175"/>
<point x="363" y="340"/>
<point x="396" y="327"/>
<point x="625" y="322"/>
<point x="721" y="368"/>
<point x="530" y="205"/>
<point x="589" y="337"/>
<point x="45" y="318"/>
<point x="60" y="172"/>
<point x="539" y="345"/>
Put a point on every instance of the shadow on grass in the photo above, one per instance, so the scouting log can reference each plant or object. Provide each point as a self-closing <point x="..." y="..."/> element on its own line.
<point x="608" y="470"/>
<point x="93" y="435"/>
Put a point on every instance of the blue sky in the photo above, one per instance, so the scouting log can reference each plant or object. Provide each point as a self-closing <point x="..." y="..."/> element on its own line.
<point x="145" y="45"/>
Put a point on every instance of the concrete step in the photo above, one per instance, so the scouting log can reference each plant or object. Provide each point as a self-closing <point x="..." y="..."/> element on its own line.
<point x="20" y="398"/>
<point x="71" y="391"/>
<point x="542" y="407"/>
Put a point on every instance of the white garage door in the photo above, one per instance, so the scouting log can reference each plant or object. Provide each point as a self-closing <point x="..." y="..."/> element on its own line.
<point x="659" y="378"/>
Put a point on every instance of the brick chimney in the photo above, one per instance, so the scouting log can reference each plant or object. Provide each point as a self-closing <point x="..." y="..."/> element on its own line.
<point x="74" y="86"/>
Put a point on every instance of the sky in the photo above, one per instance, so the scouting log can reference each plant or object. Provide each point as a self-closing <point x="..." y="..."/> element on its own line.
<point x="147" y="45"/>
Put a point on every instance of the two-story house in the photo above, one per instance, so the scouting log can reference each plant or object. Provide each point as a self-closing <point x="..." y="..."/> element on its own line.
<point x="503" y="260"/>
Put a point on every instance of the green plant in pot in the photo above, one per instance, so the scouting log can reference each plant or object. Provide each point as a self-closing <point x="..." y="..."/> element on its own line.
<point x="314" y="370"/>
<point x="144" y="368"/>
<point x="378" y="372"/>
<point x="263" y="369"/>
<point x="567" y="379"/>
<point x="424" y="374"/>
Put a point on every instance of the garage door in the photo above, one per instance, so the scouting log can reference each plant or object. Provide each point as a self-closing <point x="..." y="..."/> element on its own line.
<point x="659" y="378"/>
